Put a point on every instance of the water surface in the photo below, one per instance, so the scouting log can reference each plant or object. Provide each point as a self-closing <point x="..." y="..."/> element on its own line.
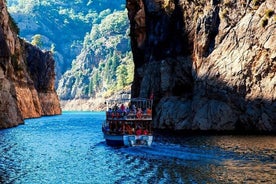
<point x="70" y="149"/>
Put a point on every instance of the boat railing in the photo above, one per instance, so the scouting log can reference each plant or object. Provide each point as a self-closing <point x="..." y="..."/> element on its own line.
<point x="127" y="124"/>
<point x="127" y="128"/>
<point x="129" y="116"/>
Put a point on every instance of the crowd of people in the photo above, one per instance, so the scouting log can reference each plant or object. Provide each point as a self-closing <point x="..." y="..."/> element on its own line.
<point x="125" y="127"/>
<point x="116" y="114"/>
<point x="129" y="111"/>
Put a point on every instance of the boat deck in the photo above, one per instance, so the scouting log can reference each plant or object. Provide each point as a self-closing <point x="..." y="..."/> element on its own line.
<point x="129" y="124"/>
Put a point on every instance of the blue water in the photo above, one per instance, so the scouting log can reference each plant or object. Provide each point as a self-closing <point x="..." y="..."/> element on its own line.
<point x="70" y="149"/>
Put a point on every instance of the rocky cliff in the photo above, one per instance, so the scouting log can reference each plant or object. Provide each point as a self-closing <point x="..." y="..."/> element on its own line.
<point x="26" y="77"/>
<point x="51" y="19"/>
<point x="210" y="64"/>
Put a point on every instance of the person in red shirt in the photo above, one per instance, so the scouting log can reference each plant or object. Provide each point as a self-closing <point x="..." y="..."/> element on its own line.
<point x="139" y="131"/>
<point x="139" y="113"/>
<point x="145" y="132"/>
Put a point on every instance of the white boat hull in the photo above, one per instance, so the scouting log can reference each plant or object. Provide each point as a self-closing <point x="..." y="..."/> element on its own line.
<point x="128" y="140"/>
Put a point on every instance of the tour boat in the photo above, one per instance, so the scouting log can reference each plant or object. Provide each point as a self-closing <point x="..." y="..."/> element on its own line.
<point x="128" y="122"/>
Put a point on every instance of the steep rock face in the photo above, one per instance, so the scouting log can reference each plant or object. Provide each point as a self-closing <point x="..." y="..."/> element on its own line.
<point x="95" y="71"/>
<point x="35" y="17"/>
<point x="210" y="64"/>
<point x="21" y="93"/>
<point x="41" y="68"/>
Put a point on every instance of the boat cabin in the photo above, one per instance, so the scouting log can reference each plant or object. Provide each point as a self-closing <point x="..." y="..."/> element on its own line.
<point x="128" y="121"/>
<point x="129" y="116"/>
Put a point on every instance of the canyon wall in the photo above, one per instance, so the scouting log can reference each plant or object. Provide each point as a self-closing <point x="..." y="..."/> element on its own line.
<point x="26" y="77"/>
<point x="211" y="65"/>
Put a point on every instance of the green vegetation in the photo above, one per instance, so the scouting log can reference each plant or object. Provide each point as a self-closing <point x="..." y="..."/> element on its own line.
<point x="37" y="40"/>
<point x="62" y="23"/>
<point x="105" y="64"/>
<point x="110" y="39"/>
<point x="88" y="38"/>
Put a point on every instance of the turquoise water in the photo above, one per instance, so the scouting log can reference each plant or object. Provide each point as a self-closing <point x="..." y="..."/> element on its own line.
<point x="70" y="149"/>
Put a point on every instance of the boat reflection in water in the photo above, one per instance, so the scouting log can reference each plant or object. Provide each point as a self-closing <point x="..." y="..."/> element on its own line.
<point x="128" y="122"/>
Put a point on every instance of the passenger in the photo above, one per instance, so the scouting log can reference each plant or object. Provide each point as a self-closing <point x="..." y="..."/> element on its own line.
<point x="128" y="129"/>
<point x="113" y="114"/>
<point x="149" y="111"/>
<point x="109" y="113"/>
<point x="127" y="111"/>
<point x="139" y="131"/>
<point x="115" y="108"/>
<point x="145" y="132"/>
<point x="123" y="109"/>
<point x="139" y="113"/>
<point x="118" y="115"/>
<point x="133" y="108"/>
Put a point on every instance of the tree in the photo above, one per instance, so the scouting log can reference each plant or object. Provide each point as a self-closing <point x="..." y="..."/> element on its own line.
<point x="95" y="80"/>
<point x="115" y="61"/>
<point x="91" y="87"/>
<point x="37" y="40"/>
<point x="121" y="75"/>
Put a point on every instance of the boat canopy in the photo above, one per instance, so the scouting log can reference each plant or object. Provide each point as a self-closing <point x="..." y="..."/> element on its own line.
<point x="127" y="102"/>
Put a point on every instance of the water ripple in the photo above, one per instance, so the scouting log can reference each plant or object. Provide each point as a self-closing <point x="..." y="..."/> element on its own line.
<point x="70" y="149"/>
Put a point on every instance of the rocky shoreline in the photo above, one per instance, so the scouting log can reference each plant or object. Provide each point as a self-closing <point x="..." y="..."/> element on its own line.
<point x="93" y="104"/>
